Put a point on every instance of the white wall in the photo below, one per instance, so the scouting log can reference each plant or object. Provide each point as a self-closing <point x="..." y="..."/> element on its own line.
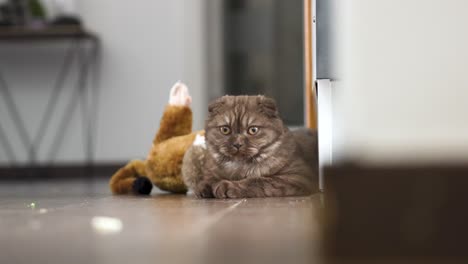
<point x="146" y="47"/>
<point x="405" y="92"/>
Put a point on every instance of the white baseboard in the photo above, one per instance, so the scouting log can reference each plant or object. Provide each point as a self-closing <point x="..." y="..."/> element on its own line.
<point x="325" y="128"/>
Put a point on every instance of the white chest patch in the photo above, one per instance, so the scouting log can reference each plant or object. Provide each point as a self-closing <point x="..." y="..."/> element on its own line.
<point x="200" y="141"/>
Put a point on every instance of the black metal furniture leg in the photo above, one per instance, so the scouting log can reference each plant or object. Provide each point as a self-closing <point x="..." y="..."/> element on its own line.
<point x="90" y="118"/>
<point x="53" y="100"/>
<point x="83" y="63"/>
<point x="13" y="109"/>
<point x="6" y="145"/>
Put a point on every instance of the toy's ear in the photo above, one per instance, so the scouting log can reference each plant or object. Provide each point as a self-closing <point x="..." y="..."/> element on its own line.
<point x="215" y="105"/>
<point x="268" y="106"/>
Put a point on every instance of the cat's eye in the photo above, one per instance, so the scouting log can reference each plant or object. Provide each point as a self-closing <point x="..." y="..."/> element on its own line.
<point x="225" y="130"/>
<point x="253" y="130"/>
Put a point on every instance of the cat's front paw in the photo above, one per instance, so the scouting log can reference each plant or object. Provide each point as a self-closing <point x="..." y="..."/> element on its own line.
<point x="179" y="95"/>
<point x="226" y="189"/>
<point x="203" y="190"/>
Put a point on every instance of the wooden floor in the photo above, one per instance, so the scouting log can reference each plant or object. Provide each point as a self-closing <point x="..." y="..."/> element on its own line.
<point x="80" y="222"/>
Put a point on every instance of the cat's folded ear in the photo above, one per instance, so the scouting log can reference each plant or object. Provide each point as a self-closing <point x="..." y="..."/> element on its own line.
<point x="268" y="106"/>
<point x="215" y="105"/>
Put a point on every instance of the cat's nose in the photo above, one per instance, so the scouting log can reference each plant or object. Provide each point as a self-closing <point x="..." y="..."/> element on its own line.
<point x="237" y="145"/>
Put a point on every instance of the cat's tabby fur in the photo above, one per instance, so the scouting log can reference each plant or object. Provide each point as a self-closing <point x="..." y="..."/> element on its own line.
<point x="253" y="154"/>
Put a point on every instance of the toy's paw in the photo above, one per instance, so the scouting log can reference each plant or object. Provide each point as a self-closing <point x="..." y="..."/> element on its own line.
<point x="179" y="95"/>
<point x="142" y="185"/>
<point x="226" y="189"/>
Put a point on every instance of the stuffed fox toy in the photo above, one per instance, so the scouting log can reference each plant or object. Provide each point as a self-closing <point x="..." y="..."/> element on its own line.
<point x="163" y="165"/>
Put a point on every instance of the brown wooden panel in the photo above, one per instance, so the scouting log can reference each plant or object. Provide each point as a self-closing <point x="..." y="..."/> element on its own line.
<point x="410" y="212"/>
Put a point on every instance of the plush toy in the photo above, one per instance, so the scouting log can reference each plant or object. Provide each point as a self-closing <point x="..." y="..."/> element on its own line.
<point x="163" y="165"/>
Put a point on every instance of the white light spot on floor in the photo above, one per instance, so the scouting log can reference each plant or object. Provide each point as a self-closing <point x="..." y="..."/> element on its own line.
<point x="106" y="225"/>
<point x="43" y="211"/>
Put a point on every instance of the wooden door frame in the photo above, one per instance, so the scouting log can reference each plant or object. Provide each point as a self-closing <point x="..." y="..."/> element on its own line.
<point x="309" y="71"/>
